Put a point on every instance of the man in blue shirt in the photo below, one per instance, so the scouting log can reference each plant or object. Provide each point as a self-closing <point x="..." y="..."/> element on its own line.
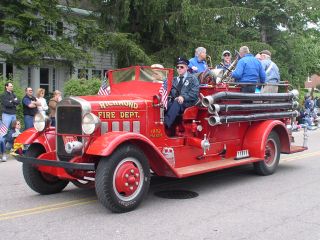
<point x="249" y="70"/>
<point x="198" y="63"/>
<point x="272" y="72"/>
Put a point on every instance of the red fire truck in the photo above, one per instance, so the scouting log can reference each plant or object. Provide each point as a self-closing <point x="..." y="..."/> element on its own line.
<point x="114" y="142"/>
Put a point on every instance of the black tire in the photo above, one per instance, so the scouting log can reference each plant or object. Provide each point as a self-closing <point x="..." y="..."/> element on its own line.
<point x="125" y="192"/>
<point x="39" y="182"/>
<point x="272" y="156"/>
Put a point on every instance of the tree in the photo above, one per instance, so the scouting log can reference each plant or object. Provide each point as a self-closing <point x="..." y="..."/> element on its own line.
<point x="166" y="29"/>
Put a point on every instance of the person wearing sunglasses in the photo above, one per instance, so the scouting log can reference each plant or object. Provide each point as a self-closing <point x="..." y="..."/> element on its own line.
<point x="198" y="63"/>
<point x="183" y="94"/>
<point x="226" y="61"/>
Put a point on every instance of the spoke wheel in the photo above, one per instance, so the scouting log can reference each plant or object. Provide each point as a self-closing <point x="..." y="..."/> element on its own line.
<point x="123" y="179"/>
<point x="271" y="156"/>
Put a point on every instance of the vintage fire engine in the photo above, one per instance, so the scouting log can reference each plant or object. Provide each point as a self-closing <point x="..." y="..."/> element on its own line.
<point x="115" y="142"/>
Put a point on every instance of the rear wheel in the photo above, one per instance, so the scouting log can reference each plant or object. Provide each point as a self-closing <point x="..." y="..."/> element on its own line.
<point x="123" y="179"/>
<point x="40" y="182"/>
<point x="272" y="156"/>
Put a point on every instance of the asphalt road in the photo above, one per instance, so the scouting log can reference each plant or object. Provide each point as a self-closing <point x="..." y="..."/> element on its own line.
<point x="232" y="204"/>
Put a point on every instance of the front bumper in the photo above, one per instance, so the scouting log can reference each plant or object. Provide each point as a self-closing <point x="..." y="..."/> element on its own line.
<point x="54" y="163"/>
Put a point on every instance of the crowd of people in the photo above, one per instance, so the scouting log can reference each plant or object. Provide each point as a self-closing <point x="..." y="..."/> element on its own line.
<point x="10" y="126"/>
<point x="309" y="114"/>
<point x="250" y="72"/>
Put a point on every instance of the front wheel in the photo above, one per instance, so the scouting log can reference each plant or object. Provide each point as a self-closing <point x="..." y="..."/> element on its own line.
<point x="272" y="156"/>
<point x="40" y="182"/>
<point x="123" y="179"/>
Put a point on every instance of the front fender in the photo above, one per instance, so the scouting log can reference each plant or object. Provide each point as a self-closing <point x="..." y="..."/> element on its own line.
<point x="257" y="134"/>
<point x="31" y="136"/>
<point x="107" y="143"/>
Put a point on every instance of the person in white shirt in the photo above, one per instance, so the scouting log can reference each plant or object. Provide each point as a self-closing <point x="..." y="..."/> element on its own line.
<point x="40" y="96"/>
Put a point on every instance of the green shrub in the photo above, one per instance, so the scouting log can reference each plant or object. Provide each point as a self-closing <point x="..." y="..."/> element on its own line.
<point x="19" y="92"/>
<point x="82" y="87"/>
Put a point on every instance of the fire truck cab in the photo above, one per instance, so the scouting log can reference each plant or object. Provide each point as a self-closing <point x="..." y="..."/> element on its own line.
<point x="113" y="142"/>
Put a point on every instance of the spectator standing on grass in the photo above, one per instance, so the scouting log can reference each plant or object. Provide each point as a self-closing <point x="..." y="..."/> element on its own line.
<point x="40" y="97"/>
<point x="30" y="107"/>
<point x="53" y="105"/>
<point x="9" y="103"/>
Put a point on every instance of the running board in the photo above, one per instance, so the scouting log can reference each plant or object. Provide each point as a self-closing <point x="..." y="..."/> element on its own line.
<point x="212" y="166"/>
<point x="295" y="149"/>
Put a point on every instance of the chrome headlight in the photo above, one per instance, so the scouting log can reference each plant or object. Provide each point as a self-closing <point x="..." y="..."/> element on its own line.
<point x="41" y="122"/>
<point x="90" y="123"/>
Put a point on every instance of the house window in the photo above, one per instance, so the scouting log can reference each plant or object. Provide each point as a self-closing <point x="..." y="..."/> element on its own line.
<point x="83" y="74"/>
<point x="59" y="29"/>
<point x="9" y="71"/>
<point x="44" y="79"/>
<point x="53" y="79"/>
<point x="96" y="73"/>
<point x="49" y="28"/>
<point x="1" y="24"/>
<point x="29" y="76"/>
<point x="1" y="69"/>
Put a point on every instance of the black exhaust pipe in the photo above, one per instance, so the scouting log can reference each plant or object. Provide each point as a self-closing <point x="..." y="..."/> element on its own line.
<point x="209" y="100"/>
<point x="215" y="108"/>
<point x="215" y="120"/>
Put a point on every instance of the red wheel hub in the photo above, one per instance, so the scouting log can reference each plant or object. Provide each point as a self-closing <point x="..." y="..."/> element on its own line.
<point x="270" y="152"/>
<point x="127" y="178"/>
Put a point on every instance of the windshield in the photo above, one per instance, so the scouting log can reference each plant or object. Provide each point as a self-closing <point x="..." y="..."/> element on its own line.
<point x="145" y="74"/>
<point x="140" y="80"/>
<point x="125" y="75"/>
<point x="153" y="74"/>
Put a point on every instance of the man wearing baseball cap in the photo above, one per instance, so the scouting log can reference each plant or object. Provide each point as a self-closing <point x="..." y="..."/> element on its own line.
<point x="183" y="94"/>
<point x="226" y="60"/>
<point x="272" y="72"/>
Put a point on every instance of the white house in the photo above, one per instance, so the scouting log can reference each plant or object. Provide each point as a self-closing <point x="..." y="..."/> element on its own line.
<point x="53" y="73"/>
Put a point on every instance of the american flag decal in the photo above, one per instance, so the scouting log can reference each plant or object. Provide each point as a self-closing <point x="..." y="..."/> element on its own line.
<point x="164" y="94"/>
<point x="3" y="129"/>
<point x="104" y="89"/>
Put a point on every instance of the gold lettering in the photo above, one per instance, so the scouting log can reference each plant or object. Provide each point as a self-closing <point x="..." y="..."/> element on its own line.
<point x="128" y="104"/>
<point x="129" y="115"/>
<point x="107" y="115"/>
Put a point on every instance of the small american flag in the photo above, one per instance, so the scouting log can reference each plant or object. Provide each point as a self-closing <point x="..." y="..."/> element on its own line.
<point x="104" y="89"/>
<point x="164" y="94"/>
<point x="3" y="129"/>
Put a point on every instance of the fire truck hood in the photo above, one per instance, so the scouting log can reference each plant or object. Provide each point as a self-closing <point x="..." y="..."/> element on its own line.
<point x="116" y="102"/>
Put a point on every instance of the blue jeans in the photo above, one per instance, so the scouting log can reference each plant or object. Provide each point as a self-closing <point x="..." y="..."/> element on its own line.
<point x="2" y="145"/>
<point x="28" y="121"/>
<point x="248" y="89"/>
<point x="7" y="119"/>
